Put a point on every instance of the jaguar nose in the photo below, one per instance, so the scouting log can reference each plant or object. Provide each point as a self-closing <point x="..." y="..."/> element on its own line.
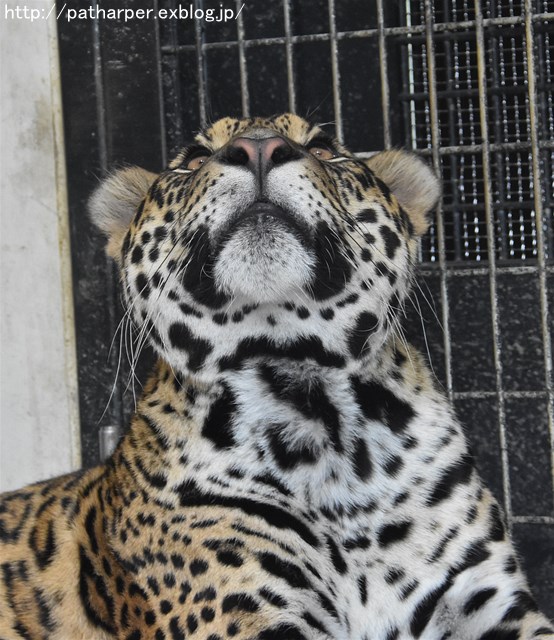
<point x="259" y="155"/>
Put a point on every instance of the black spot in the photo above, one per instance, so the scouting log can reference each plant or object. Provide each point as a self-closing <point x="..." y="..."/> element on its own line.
<point x="365" y="254"/>
<point x="207" y="614"/>
<point x="182" y="338"/>
<point x="284" y="569"/>
<point x="189" y="311"/>
<point x="206" y="594"/>
<point x="362" y="588"/>
<point x="391" y="240"/>
<point x="394" y="575"/>
<point x="149" y="618"/>
<point x="366" y="324"/>
<point x="500" y="634"/>
<point x="392" y="533"/>
<point x="393" y="465"/>
<point x="361" y="459"/>
<point x="175" y="629"/>
<point x="218" y="424"/>
<point x="336" y="557"/>
<point x="315" y="624"/>
<point x="510" y="566"/>
<point x="192" y="622"/>
<point x="459" y="473"/>
<point x="169" y="580"/>
<point x="198" y="567"/>
<point x="141" y="284"/>
<point x="332" y="271"/>
<point x="288" y="631"/>
<point x="299" y="349"/>
<point x="160" y="233"/>
<point x="367" y="215"/>
<point x="359" y="542"/>
<point x="478" y="599"/>
<point x="426" y="607"/>
<point x="230" y="558"/>
<point x="273" y="598"/>
<point x="136" y="255"/>
<point x="303" y="313"/>
<point x="327" y="313"/>
<point x="497" y="531"/>
<point x="177" y="560"/>
<point x="198" y="277"/>
<point x="378" y="403"/>
<point x="240" y="602"/>
<point x="165" y="607"/>
<point x="220" y="318"/>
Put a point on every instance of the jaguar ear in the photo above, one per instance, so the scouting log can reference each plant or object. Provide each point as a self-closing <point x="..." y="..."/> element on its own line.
<point x="412" y="181"/>
<point x="115" y="202"/>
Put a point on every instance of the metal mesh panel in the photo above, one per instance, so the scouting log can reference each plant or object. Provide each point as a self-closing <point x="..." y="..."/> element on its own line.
<point x="454" y="28"/>
<point x="467" y="84"/>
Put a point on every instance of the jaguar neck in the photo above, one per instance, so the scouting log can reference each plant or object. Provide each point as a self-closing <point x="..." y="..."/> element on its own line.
<point x="289" y="428"/>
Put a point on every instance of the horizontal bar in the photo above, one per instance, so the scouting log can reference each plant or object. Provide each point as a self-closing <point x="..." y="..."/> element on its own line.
<point x="459" y="270"/>
<point x="473" y="148"/>
<point x="476" y="395"/>
<point x="532" y="519"/>
<point x="364" y="33"/>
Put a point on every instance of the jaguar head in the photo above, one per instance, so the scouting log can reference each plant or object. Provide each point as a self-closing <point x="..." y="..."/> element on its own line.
<point x="266" y="237"/>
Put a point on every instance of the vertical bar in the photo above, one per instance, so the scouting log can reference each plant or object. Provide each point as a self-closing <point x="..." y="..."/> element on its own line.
<point x="244" y="94"/>
<point x="539" y="217"/>
<point x="111" y="279"/>
<point x="160" y="86"/>
<point x="176" y="79"/>
<point x="385" y="98"/>
<point x="497" y="348"/>
<point x="289" y="56"/>
<point x="435" y="142"/>
<point x="200" y="69"/>
<point x="335" y="73"/>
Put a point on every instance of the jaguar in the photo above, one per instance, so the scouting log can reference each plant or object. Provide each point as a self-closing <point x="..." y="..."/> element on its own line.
<point x="292" y="471"/>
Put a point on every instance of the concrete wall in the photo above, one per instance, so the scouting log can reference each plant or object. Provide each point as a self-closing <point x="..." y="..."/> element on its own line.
<point x="39" y="428"/>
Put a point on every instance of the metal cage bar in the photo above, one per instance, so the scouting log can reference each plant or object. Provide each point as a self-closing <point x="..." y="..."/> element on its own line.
<point x="335" y="71"/>
<point x="435" y="140"/>
<point x="289" y="56"/>
<point x="497" y="345"/>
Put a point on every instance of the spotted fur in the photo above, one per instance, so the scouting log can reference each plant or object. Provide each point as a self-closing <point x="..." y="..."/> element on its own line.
<point x="291" y="472"/>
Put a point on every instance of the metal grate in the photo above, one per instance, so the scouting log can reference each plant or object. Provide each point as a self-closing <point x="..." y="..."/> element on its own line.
<point x="502" y="29"/>
<point x="468" y="84"/>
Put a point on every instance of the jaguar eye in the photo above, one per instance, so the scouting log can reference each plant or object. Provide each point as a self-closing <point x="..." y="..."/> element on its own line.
<point x="321" y="153"/>
<point x="321" y="150"/>
<point x="197" y="159"/>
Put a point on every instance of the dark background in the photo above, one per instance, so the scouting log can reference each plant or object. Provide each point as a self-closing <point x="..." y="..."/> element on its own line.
<point x="134" y="93"/>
